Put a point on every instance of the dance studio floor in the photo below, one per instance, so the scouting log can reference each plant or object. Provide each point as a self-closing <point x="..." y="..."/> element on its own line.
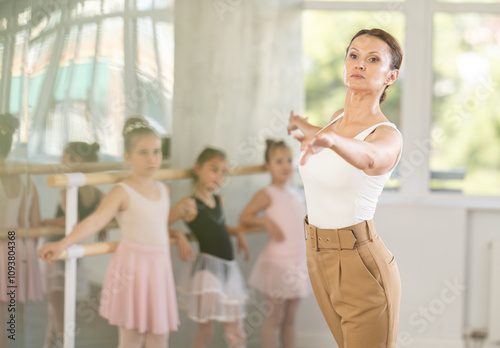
<point x="95" y="332"/>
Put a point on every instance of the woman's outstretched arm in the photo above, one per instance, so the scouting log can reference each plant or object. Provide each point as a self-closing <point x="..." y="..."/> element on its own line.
<point x="376" y="155"/>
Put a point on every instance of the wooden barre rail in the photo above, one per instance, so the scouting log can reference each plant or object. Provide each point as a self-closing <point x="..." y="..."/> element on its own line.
<point x="110" y="247"/>
<point x="61" y="180"/>
<point x="58" y="168"/>
<point x="42" y="231"/>
<point x="33" y="232"/>
<point x="92" y="248"/>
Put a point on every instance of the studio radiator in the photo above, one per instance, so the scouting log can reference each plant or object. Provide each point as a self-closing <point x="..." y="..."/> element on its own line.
<point x="494" y="308"/>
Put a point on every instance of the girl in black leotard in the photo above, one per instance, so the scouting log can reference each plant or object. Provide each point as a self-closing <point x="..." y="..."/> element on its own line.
<point x="214" y="289"/>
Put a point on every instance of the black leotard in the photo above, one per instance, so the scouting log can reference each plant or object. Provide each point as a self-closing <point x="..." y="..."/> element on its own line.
<point x="83" y="210"/>
<point x="209" y="227"/>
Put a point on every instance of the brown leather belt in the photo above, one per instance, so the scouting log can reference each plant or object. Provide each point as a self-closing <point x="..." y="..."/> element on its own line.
<point x="339" y="238"/>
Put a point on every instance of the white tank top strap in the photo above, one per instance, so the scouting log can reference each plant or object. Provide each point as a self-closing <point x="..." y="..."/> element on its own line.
<point x="365" y="133"/>
<point x="368" y="131"/>
<point x="336" y="118"/>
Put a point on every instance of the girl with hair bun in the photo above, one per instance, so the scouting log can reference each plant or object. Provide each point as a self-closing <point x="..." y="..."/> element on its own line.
<point x="280" y="271"/>
<point x="214" y="289"/>
<point x="18" y="205"/>
<point x="138" y="293"/>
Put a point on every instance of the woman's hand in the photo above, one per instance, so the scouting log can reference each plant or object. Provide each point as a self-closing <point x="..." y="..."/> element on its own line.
<point x="274" y="231"/>
<point x="296" y="122"/>
<point x="311" y="141"/>
<point x="50" y="251"/>
<point x="183" y="247"/>
<point x="313" y="144"/>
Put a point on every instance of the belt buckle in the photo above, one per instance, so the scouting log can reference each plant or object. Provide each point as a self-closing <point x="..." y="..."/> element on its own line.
<point x="347" y="245"/>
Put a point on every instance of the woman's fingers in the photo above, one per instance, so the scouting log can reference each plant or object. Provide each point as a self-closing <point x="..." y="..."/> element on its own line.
<point x="305" y="156"/>
<point x="299" y="137"/>
<point x="321" y="140"/>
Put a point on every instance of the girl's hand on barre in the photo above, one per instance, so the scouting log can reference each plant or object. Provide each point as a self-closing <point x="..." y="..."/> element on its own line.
<point x="274" y="231"/>
<point x="183" y="247"/>
<point x="243" y="245"/>
<point x="50" y="251"/>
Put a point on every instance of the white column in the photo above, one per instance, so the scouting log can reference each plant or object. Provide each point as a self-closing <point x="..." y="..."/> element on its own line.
<point x="70" y="270"/>
<point x="416" y="111"/>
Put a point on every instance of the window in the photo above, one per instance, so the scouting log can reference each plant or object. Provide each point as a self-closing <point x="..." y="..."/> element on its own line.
<point x="446" y="105"/>
<point x="108" y="60"/>
<point x="465" y="154"/>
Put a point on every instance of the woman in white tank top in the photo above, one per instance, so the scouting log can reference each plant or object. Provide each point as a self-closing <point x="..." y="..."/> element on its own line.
<point x="344" y="167"/>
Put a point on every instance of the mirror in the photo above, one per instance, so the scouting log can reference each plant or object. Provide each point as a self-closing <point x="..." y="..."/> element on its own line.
<point x="72" y="70"/>
<point x="83" y="66"/>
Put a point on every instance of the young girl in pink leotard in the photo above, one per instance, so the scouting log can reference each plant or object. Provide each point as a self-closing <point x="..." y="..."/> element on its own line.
<point x="280" y="271"/>
<point x="138" y="292"/>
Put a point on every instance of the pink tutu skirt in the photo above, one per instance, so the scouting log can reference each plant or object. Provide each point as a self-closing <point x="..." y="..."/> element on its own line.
<point x="138" y="291"/>
<point x="213" y="289"/>
<point x="281" y="276"/>
<point x="28" y="280"/>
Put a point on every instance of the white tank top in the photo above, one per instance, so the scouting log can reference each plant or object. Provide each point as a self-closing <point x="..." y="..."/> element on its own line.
<point x="145" y="220"/>
<point x="338" y="194"/>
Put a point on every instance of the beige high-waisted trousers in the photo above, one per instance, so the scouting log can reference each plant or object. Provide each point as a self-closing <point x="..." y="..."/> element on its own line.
<point x="356" y="283"/>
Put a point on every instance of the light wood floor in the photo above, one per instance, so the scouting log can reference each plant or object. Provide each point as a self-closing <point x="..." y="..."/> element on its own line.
<point x="92" y="331"/>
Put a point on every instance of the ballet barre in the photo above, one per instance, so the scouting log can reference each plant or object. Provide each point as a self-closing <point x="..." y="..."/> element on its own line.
<point x="74" y="180"/>
<point x="42" y="231"/>
<point x="59" y="168"/>
<point x="100" y="248"/>
<point x="82" y="179"/>
<point x="32" y="232"/>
